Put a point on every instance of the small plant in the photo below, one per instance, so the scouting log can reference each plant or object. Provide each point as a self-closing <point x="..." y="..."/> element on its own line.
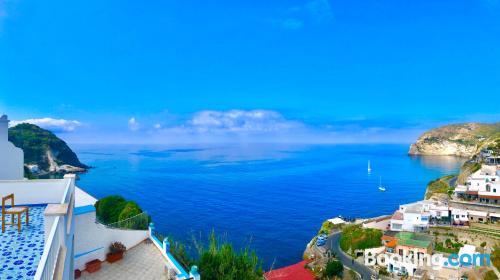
<point x="117" y="247"/>
<point x="333" y="268"/>
<point x="483" y="244"/>
<point x="383" y="271"/>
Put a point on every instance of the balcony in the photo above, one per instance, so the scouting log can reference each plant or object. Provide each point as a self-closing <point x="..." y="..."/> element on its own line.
<point x="20" y="252"/>
<point x="43" y="248"/>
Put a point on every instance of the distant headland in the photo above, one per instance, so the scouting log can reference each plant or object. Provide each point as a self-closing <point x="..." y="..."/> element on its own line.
<point x="463" y="140"/>
<point x="44" y="152"/>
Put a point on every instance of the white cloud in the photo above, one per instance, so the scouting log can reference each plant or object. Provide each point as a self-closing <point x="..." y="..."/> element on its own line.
<point x="157" y="126"/>
<point x="133" y="124"/>
<point x="54" y="125"/>
<point x="241" y="121"/>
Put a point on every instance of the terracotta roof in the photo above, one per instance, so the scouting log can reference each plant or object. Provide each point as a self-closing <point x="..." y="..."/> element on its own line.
<point x="293" y="272"/>
<point x="472" y="192"/>
<point x="387" y="238"/>
<point x="392" y="243"/>
<point x="397" y="216"/>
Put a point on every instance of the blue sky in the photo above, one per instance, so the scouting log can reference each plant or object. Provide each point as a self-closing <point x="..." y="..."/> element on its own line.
<point x="194" y="71"/>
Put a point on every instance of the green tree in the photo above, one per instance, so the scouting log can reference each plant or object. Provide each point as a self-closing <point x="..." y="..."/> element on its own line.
<point x="109" y="208"/>
<point x="333" y="268"/>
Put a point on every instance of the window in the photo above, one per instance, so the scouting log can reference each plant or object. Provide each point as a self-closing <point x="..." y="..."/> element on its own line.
<point x="397" y="226"/>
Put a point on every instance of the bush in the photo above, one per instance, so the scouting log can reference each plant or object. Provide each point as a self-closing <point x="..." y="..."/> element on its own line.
<point x="115" y="208"/>
<point x="131" y="209"/>
<point x="221" y="262"/>
<point x="495" y="257"/>
<point x="490" y="275"/>
<point x="328" y="227"/>
<point x="383" y="271"/>
<point x="449" y="247"/>
<point x="109" y="208"/>
<point x="333" y="268"/>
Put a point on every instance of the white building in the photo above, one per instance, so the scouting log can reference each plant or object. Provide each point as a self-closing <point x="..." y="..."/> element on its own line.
<point x="11" y="158"/>
<point x="416" y="217"/>
<point x="460" y="216"/>
<point x="62" y="234"/>
<point x="482" y="186"/>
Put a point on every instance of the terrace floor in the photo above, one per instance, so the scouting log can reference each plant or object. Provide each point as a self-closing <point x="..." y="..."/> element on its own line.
<point x="20" y="252"/>
<point x="144" y="261"/>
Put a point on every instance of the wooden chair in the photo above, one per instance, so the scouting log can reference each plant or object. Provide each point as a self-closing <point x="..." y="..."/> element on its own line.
<point x="13" y="210"/>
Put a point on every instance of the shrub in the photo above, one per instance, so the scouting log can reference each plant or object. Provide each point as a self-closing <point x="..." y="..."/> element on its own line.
<point x="495" y="257"/>
<point x="221" y="262"/>
<point x="490" y="275"/>
<point x="333" y="268"/>
<point x="383" y="271"/>
<point x="483" y="244"/>
<point x="131" y="209"/>
<point x="117" y="247"/>
<point x="109" y="208"/>
<point x="328" y="227"/>
<point x="113" y="209"/>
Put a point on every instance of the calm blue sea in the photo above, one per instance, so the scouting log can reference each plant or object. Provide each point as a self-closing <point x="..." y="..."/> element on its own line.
<point x="271" y="197"/>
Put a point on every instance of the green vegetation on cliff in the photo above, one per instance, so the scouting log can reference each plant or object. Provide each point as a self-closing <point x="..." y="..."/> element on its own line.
<point x="116" y="210"/>
<point x="42" y="147"/>
<point x="355" y="237"/>
<point x="439" y="186"/>
<point x="218" y="260"/>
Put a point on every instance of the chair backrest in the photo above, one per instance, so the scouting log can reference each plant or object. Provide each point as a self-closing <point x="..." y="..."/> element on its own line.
<point x="5" y="198"/>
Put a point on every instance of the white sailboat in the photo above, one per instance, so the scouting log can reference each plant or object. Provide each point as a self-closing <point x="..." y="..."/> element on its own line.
<point x="369" y="167"/>
<point x="380" y="187"/>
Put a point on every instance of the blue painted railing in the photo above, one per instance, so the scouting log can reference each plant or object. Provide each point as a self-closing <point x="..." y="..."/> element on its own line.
<point x="164" y="246"/>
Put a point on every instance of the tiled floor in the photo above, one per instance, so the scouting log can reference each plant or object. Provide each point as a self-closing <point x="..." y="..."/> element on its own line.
<point x="20" y="252"/>
<point x="144" y="262"/>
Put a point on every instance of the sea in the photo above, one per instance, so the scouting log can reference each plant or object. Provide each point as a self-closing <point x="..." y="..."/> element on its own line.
<point x="271" y="198"/>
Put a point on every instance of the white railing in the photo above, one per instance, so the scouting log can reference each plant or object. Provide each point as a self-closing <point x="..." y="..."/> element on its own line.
<point x="48" y="261"/>
<point x="51" y="265"/>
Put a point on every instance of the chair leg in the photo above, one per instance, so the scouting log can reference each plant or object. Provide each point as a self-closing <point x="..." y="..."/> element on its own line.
<point x="3" y="223"/>
<point x="19" y="222"/>
<point x="27" y="216"/>
<point x="12" y="219"/>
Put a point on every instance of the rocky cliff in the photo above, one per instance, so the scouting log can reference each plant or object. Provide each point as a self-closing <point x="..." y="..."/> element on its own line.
<point x="462" y="140"/>
<point x="44" y="152"/>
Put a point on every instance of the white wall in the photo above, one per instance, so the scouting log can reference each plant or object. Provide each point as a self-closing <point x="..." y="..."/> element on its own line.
<point x="90" y="235"/>
<point x="410" y="220"/>
<point x="11" y="158"/>
<point x="35" y="191"/>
